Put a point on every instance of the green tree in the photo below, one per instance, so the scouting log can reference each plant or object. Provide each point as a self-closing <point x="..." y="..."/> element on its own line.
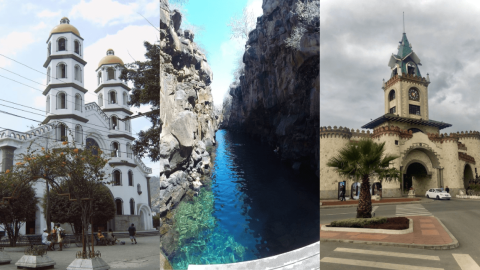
<point x="145" y="77"/>
<point x="364" y="159"/>
<point x="15" y="213"/>
<point x="81" y="171"/>
<point x="62" y="210"/>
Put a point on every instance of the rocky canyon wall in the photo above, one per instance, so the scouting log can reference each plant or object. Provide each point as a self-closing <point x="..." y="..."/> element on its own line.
<point x="187" y="117"/>
<point x="277" y="99"/>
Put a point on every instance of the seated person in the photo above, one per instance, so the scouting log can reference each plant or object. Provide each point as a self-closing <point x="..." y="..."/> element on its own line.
<point x="101" y="238"/>
<point x="45" y="241"/>
<point x="111" y="238"/>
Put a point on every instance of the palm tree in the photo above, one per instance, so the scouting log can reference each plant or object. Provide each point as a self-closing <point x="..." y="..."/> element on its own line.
<point x="364" y="159"/>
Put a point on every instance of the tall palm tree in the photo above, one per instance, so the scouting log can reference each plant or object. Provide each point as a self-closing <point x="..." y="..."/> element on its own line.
<point x="364" y="159"/>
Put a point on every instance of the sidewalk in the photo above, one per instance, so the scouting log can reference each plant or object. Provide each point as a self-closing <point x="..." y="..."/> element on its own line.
<point x="428" y="233"/>
<point x="383" y="201"/>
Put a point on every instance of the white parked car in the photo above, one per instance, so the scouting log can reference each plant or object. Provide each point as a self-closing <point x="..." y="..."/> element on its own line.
<point x="437" y="193"/>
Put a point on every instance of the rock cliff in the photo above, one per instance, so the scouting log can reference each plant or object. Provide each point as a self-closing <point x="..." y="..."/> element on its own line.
<point x="187" y="117"/>
<point x="277" y="98"/>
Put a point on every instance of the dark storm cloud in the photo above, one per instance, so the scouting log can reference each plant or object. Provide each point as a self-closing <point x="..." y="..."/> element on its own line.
<point x="357" y="39"/>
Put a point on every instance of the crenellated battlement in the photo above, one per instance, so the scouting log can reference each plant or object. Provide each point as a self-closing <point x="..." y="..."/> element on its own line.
<point x="343" y="132"/>
<point x="392" y="131"/>
<point x="453" y="137"/>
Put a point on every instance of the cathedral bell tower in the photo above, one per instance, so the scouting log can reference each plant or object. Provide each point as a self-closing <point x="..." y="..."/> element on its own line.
<point x="113" y="92"/>
<point x="406" y="92"/>
<point x="65" y="92"/>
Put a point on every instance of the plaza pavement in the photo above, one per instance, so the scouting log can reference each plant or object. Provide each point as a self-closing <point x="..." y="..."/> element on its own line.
<point x="144" y="255"/>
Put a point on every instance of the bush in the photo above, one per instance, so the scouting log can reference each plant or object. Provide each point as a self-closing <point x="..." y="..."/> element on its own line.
<point x="156" y="220"/>
<point x="358" y="222"/>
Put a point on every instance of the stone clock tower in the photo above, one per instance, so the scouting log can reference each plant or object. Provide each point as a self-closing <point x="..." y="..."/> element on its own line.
<point x="406" y="92"/>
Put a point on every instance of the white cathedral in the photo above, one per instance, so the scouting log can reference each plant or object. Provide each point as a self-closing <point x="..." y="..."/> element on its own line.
<point x="99" y="124"/>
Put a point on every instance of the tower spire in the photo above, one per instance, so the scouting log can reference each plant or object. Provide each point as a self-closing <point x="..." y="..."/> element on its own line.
<point x="404" y="22"/>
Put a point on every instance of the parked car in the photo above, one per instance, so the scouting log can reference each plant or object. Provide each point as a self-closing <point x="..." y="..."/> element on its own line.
<point x="437" y="193"/>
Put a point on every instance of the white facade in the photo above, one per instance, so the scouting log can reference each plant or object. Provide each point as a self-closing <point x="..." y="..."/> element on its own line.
<point x="65" y="105"/>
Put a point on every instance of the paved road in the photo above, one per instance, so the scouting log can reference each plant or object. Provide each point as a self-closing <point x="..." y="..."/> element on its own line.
<point x="144" y="255"/>
<point x="461" y="217"/>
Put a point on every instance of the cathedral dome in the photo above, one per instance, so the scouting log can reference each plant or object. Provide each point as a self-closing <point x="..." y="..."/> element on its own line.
<point x="65" y="26"/>
<point x="110" y="58"/>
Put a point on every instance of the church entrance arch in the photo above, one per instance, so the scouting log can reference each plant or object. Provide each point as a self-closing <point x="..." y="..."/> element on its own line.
<point x="467" y="176"/>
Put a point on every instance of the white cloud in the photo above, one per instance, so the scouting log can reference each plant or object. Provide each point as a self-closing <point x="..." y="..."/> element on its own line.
<point x="126" y="41"/>
<point x="110" y="12"/>
<point x="256" y="7"/>
<point x="39" y="26"/>
<point x="39" y="102"/>
<point x="48" y="14"/>
<point x="10" y="45"/>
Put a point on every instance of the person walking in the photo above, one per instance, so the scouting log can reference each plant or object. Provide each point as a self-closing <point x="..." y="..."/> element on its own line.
<point x="447" y="189"/>
<point x="60" y="235"/>
<point x="132" y="231"/>
<point x="344" y="190"/>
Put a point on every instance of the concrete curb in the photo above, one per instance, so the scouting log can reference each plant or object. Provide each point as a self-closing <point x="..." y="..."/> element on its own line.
<point x="376" y="204"/>
<point x="361" y="230"/>
<point x="452" y="245"/>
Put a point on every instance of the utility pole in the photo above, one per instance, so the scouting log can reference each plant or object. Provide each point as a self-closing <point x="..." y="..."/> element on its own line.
<point x="48" y="201"/>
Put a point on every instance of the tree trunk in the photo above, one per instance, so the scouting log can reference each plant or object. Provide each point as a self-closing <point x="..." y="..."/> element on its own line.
<point x="364" y="209"/>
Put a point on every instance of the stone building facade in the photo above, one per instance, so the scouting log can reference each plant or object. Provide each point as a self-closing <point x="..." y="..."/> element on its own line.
<point x="427" y="158"/>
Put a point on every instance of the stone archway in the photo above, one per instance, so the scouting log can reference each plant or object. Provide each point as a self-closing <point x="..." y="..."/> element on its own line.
<point x="420" y="169"/>
<point x="467" y="175"/>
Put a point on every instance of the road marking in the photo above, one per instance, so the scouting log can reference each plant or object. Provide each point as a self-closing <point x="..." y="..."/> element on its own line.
<point x="466" y="262"/>
<point x="380" y="265"/>
<point x="392" y="254"/>
<point x="412" y="210"/>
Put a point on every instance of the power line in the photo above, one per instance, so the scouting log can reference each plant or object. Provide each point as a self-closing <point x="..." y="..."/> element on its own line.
<point x="21" y="110"/>
<point x="26" y="133"/>
<point x="22" y="105"/>
<point x="22" y="76"/>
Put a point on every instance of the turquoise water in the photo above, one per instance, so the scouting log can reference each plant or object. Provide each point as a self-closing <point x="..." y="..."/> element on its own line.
<point x="253" y="207"/>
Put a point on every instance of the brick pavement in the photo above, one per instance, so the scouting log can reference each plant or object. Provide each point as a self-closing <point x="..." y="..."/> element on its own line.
<point x="427" y="231"/>
<point x="383" y="200"/>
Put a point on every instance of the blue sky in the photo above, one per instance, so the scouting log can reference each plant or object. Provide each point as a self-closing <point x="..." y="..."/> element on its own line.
<point x="214" y="15"/>
<point x="103" y="24"/>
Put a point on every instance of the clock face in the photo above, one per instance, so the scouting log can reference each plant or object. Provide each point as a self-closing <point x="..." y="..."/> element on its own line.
<point x="413" y="94"/>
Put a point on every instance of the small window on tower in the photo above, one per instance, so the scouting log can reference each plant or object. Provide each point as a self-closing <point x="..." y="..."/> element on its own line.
<point x="61" y="44"/>
<point x="411" y="68"/>
<point x="393" y="110"/>
<point x="396" y="142"/>
<point x="111" y="74"/>
<point x="391" y="95"/>
<point x="414" y="109"/>
<point x="77" y="47"/>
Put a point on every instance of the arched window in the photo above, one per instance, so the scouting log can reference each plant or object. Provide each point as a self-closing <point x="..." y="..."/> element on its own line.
<point x="411" y="68"/>
<point x="127" y="125"/>
<point x="49" y="49"/>
<point x="61" y="100"/>
<point x="391" y="95"/>
<point x="115" y="149"/>
<point x="62" y="44"/>
<point x="61" y="71"/>
<point x="139" y="189"/>
<point x="99" y="77"/>
<point x="93" y="145"/>
<point x="48" y="75"/>
<point x="78" y="102"/>
<point x="78" y="73"/>
<point x="113" y="97"/>
<point x="77" y="47"/>
<point x="114" y="122"/>
<point x="100" y="100"/>
<point x="129" y="151"/>
<point x="130" y="178"/>
<point x="117" y="178"/>
<point x="415" y="130"/>
<point x="119" y="206"/>
<point x="132" y="207"/>
<point x="78" y="134"/>
<point x="110" y="74"/>
<point x="61" y="132"/>
<point x="125" y="98"/>
<point x="48" y="103"/>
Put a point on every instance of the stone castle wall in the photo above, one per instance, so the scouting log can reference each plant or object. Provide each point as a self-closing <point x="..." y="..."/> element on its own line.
<point x="438" y="152"/>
